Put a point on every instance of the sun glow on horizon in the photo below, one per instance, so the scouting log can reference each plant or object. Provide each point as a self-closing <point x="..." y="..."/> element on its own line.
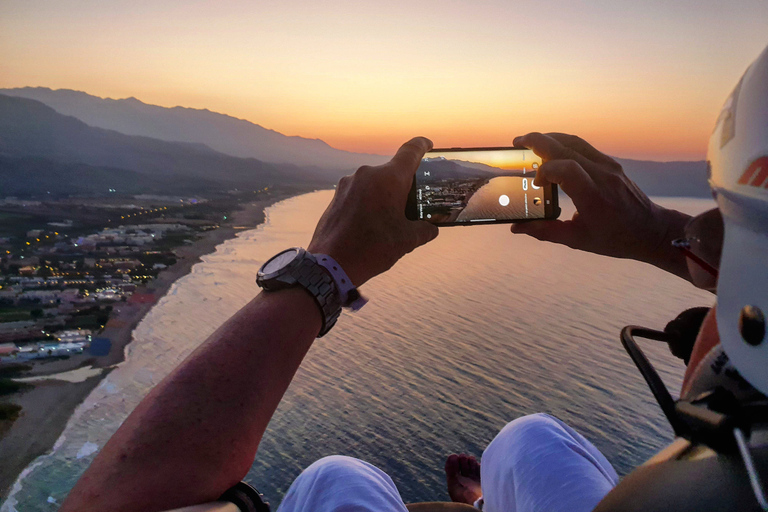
<point x="639" y="81"/>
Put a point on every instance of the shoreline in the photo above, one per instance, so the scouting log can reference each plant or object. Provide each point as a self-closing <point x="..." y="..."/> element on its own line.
<point x="48" y="406"/>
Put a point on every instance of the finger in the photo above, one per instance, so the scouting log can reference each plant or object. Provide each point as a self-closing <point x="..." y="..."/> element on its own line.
<point x="582" y="147"/>
<point x="421" y="233"/>
<point x="563" y="232"/>
<point x="572" y="179"/>
<point x="548" y="148"/>
<point x="408" y="157"/>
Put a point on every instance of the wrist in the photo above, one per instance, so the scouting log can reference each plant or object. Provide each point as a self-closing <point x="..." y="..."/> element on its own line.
<point x="671" y="225"/>
<point x="294" y="299"/>
<point x="345" y="260"/>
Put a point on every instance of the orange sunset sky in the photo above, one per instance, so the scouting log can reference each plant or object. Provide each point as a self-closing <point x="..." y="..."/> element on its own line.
<point x="641" y="79"/>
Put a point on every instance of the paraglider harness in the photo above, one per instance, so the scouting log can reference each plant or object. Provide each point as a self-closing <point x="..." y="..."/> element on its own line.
<point x="714" y="429"/>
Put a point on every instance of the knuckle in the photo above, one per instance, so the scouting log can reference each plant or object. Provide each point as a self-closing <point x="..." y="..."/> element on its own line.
<point x="571" y="154"/>
<point x="363" y="170"/>
<point x="573" y="139"/>
<point x="615" y="167"/>
<point x="572" y="166"/>
<point x="413" y="144"/>
<point x="614" y="181"/>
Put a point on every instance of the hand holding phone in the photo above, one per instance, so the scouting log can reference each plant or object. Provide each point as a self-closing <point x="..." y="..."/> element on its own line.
<point x="470" y="186"/>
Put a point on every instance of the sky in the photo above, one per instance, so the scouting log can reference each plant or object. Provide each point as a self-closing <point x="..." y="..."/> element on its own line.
<point x="638" y="79"/>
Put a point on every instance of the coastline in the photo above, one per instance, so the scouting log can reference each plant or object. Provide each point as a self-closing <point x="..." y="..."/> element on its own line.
<point x="48" y="406"/>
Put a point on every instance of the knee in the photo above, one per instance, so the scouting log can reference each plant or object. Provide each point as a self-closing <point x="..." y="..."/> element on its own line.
<point x="339" y="483"/>
<point x="532" y="424"/>
<point x="523" y="435"/>
<point x="337" y="471"/>
<point x="335" y="468"/>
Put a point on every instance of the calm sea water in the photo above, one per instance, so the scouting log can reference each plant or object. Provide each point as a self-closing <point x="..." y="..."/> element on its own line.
<point x="460" y="337"/>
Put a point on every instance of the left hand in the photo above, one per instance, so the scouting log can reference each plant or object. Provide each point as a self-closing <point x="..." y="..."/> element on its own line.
<point x="364" y="227"/>
<point x="613" y="216"/>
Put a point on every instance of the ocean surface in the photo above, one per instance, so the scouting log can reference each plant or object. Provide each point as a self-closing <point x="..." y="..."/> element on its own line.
<point x="460" y="337"/>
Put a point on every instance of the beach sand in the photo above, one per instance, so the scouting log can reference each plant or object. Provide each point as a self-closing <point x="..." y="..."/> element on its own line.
<point x="48" y="406"/>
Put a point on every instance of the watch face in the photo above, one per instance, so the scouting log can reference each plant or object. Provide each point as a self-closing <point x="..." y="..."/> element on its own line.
<point x="279" y="261"/>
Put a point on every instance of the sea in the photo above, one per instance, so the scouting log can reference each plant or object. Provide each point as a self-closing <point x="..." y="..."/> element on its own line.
<point x="462" y="336"/>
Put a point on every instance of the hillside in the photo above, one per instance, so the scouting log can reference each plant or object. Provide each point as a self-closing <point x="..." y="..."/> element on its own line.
<point x="674" y="179"/>
<point x="34" y="176"/>
<point x="29" y="129"/>
<point x="223" y="133"/>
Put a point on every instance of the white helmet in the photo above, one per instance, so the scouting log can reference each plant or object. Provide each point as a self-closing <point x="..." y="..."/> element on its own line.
<point x="738" y="163"/>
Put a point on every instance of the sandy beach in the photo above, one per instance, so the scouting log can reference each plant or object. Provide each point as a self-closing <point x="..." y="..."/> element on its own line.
<point x="49" y="404"/>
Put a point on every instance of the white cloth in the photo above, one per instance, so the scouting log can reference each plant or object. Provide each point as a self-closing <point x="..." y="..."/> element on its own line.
<point x="342" y="484"/>
<point x="536" y="463"/>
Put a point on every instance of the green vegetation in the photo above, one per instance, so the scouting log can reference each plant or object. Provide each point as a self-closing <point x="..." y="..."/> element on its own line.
<point x="17" y="224"/>
<point x="8" y="386"/>
<point x="15" y="315"/>
<point x="84" y="322"/>
<point x="9" y="412"/>
<point x="14" y="369"/>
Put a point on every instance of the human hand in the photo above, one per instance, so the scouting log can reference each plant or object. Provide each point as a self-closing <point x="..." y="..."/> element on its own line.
<point x="364" y="227"/>
<point x="614" y="217"/>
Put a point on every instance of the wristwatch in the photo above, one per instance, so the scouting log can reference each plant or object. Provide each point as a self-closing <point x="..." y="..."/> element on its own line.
<point x="297" y="267"/>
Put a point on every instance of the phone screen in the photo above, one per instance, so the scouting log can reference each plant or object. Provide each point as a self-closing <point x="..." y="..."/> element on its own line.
<point x="462" y="186"/>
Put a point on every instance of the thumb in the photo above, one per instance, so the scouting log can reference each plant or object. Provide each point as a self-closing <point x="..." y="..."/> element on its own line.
<point x="422" y="233"/>
<point x="556" y="231"/>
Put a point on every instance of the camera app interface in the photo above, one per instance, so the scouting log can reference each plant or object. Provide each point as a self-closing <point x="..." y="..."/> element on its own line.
<point x="479" y="186"/>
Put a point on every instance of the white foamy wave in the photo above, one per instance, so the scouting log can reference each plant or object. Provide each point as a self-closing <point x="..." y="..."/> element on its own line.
<point x="86" y="450"/>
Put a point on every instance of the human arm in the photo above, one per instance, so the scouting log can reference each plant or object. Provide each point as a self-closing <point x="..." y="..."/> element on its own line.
<point x="614" y="217"/>
<point x="197" y="432"/>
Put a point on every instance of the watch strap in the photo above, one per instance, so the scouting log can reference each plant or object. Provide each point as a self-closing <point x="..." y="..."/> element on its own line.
<point x="314" y="278"/>
<point x="350" y="296"/>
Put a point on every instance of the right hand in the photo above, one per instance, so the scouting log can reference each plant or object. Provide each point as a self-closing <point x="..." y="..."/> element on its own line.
<point x="364" y="227"/>
<point x="613" y="216"/>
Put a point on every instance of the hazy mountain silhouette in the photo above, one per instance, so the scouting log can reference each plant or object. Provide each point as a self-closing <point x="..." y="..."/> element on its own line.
<point x="472" y="165"/>
<point x="223" y="133"/>
<point x="678" y="179"/>
<point x="35" y="176"/>
<point x="29" y="128"/>
<point x="207" y="135"/>
<point x="442" y="169"/>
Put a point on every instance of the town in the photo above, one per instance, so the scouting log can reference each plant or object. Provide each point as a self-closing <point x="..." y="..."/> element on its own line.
<point x="61" y="280"/>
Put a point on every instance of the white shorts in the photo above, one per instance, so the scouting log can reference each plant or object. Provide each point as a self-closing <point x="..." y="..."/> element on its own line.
<point x="536" y="463"/>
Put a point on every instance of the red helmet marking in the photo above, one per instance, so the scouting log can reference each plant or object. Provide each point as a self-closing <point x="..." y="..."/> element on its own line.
<point x="759" y="170"/>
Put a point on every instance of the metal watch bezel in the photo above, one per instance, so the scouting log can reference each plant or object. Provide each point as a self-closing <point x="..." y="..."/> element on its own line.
<point x="285" y="269"/>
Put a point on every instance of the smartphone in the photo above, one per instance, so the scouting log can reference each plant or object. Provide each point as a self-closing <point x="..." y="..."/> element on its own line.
<point x="470" y="186"/>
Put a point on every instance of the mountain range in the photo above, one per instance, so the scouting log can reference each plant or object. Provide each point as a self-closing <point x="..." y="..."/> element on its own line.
<point x="220" y="132"/>
<point x="31" y="132"/>
<point x="72" y="142"/>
